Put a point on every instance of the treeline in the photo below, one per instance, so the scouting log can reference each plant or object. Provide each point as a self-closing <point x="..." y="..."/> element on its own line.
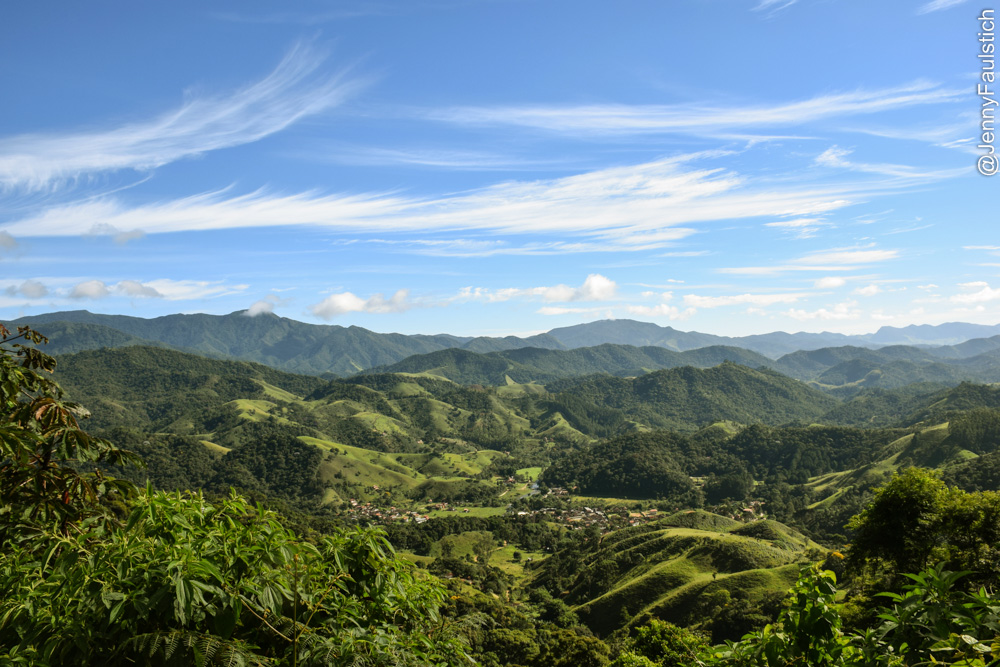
<point x="531" y="533"/>
<point x="96" y="572"/>
<point x="659" y="464"/>
<point x="267" y="461"/>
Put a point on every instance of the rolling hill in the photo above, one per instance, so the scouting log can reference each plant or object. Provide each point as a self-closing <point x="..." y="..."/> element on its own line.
<point x="679" y="398"/>
<point x="535" y="365"/>
<point x="678" y="568"/>
<point x="332" y="350"/>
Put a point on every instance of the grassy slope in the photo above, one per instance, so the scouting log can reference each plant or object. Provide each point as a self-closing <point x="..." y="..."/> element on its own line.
<point x="664" y="569"/>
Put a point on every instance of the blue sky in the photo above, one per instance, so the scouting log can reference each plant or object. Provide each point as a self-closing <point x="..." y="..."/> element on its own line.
<point x="495" y="167"/>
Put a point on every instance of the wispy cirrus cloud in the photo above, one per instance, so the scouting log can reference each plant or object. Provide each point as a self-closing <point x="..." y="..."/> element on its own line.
<point x="662" y="310"/>
<point x="563" y="310"/>
<point x="938" y="5"/>
<point x="699" y="119"/>
<point x="835" y="157"/>
<point x="772" y="7"/>
<point x="845" y="310"/>
<point x="435" y="158"/>
<point x="699" y="301"/>
<point x="802" y="228"/>
<point x="595" y="288"/>
<point x="119" y="236"/>
<point x="837" y="259"/>
<point x="163" y="288"/>
<point x="625" y="208"/>
<point x="298" y="87"/>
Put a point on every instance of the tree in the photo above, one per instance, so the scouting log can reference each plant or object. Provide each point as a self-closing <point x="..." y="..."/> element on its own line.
<point x="194" y="579"/>
<point x="44" y="452"/>
<point x="915" y="520"/>
<point x="899" y="524"/>
<point x="182" y="580"/>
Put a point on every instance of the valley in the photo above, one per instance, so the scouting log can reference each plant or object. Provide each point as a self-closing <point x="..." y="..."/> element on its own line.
<point x="596" y="490"/>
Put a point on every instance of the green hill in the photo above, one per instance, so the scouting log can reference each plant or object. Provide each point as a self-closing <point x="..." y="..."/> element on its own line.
<point x="682" y="398"/>
<point x="536" y="365"/>
<point x="268" y="339"/>
<point x="676" y="568"/>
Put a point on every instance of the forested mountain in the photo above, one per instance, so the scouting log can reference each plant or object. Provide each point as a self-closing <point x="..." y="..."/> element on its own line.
<point x="679" y="397"/>
<point x="845" y="370"/>
<point x="894" y="365"/>
<point x="333" y="350"/>
<point x="276" y="341"/>
<point x="425" y="436"/>
<point x="743" y="442"/>
<point x="531" y="364"/>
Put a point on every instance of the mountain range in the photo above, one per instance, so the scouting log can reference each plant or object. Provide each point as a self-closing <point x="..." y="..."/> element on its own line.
<point x="332" y="350"/>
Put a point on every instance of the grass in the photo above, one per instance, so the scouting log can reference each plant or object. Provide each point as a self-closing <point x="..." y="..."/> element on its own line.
<point x="277" y="393"/>
<point x="363" y="466"/>
<point x="218" y="450"/>
<point x="503" y="559"/>
<point x="530" y="473"/>
<point x="666" y="566"/>
<point x="472" y="511"/>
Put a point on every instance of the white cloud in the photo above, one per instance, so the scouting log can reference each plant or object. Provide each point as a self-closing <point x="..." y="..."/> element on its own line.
<point x="627" y="208"/>
<point x="662" y="310"/>
<point x="119" y="236"/>
<point x="179" y="290"/>
<point x="802" y="228"/>
<point x="7" y="242"/>
<point x="695" y="119"/>
<point x="834" y="157"/>
<point x="830" y="282"/>
<point x="297" y="88"/>
<point x="260" y="308"/>
<point x="740" y="299"/>
<point x="171" y="290"/>
<point x="868" y="290"/>
<point x="90" y="289"/>
<point x="976" y="292"/>
<point x="267" y="304"/>
<point x="560" y="310"/>
<point x="595" y="288"/>
<point x="841" y="311"/>
<point x="774" y="6"/>
<point x="937" y="5"/>
<point x="31" y="289"/>
<point x="852" y="257"/>
<point x="135" y="288"/>
<point x="346" y="302"/>
<point x="836" y="259"/>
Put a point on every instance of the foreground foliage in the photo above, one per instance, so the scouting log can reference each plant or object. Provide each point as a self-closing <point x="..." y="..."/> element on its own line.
<point x="95" y="573"/>
<point x="201" y="583"/>
<point x="933" y="621"/>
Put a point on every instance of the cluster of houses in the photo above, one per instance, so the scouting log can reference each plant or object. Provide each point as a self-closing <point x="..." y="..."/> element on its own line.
<point x="753" y="511"/>
<point x="373" y="513"/>
<point x="588" y="516"/>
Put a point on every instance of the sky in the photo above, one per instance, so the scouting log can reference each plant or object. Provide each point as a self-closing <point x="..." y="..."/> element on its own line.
<point x="500" y="167"/>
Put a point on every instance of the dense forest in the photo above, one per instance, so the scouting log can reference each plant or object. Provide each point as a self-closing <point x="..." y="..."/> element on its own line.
<point x="205" y="511"/>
